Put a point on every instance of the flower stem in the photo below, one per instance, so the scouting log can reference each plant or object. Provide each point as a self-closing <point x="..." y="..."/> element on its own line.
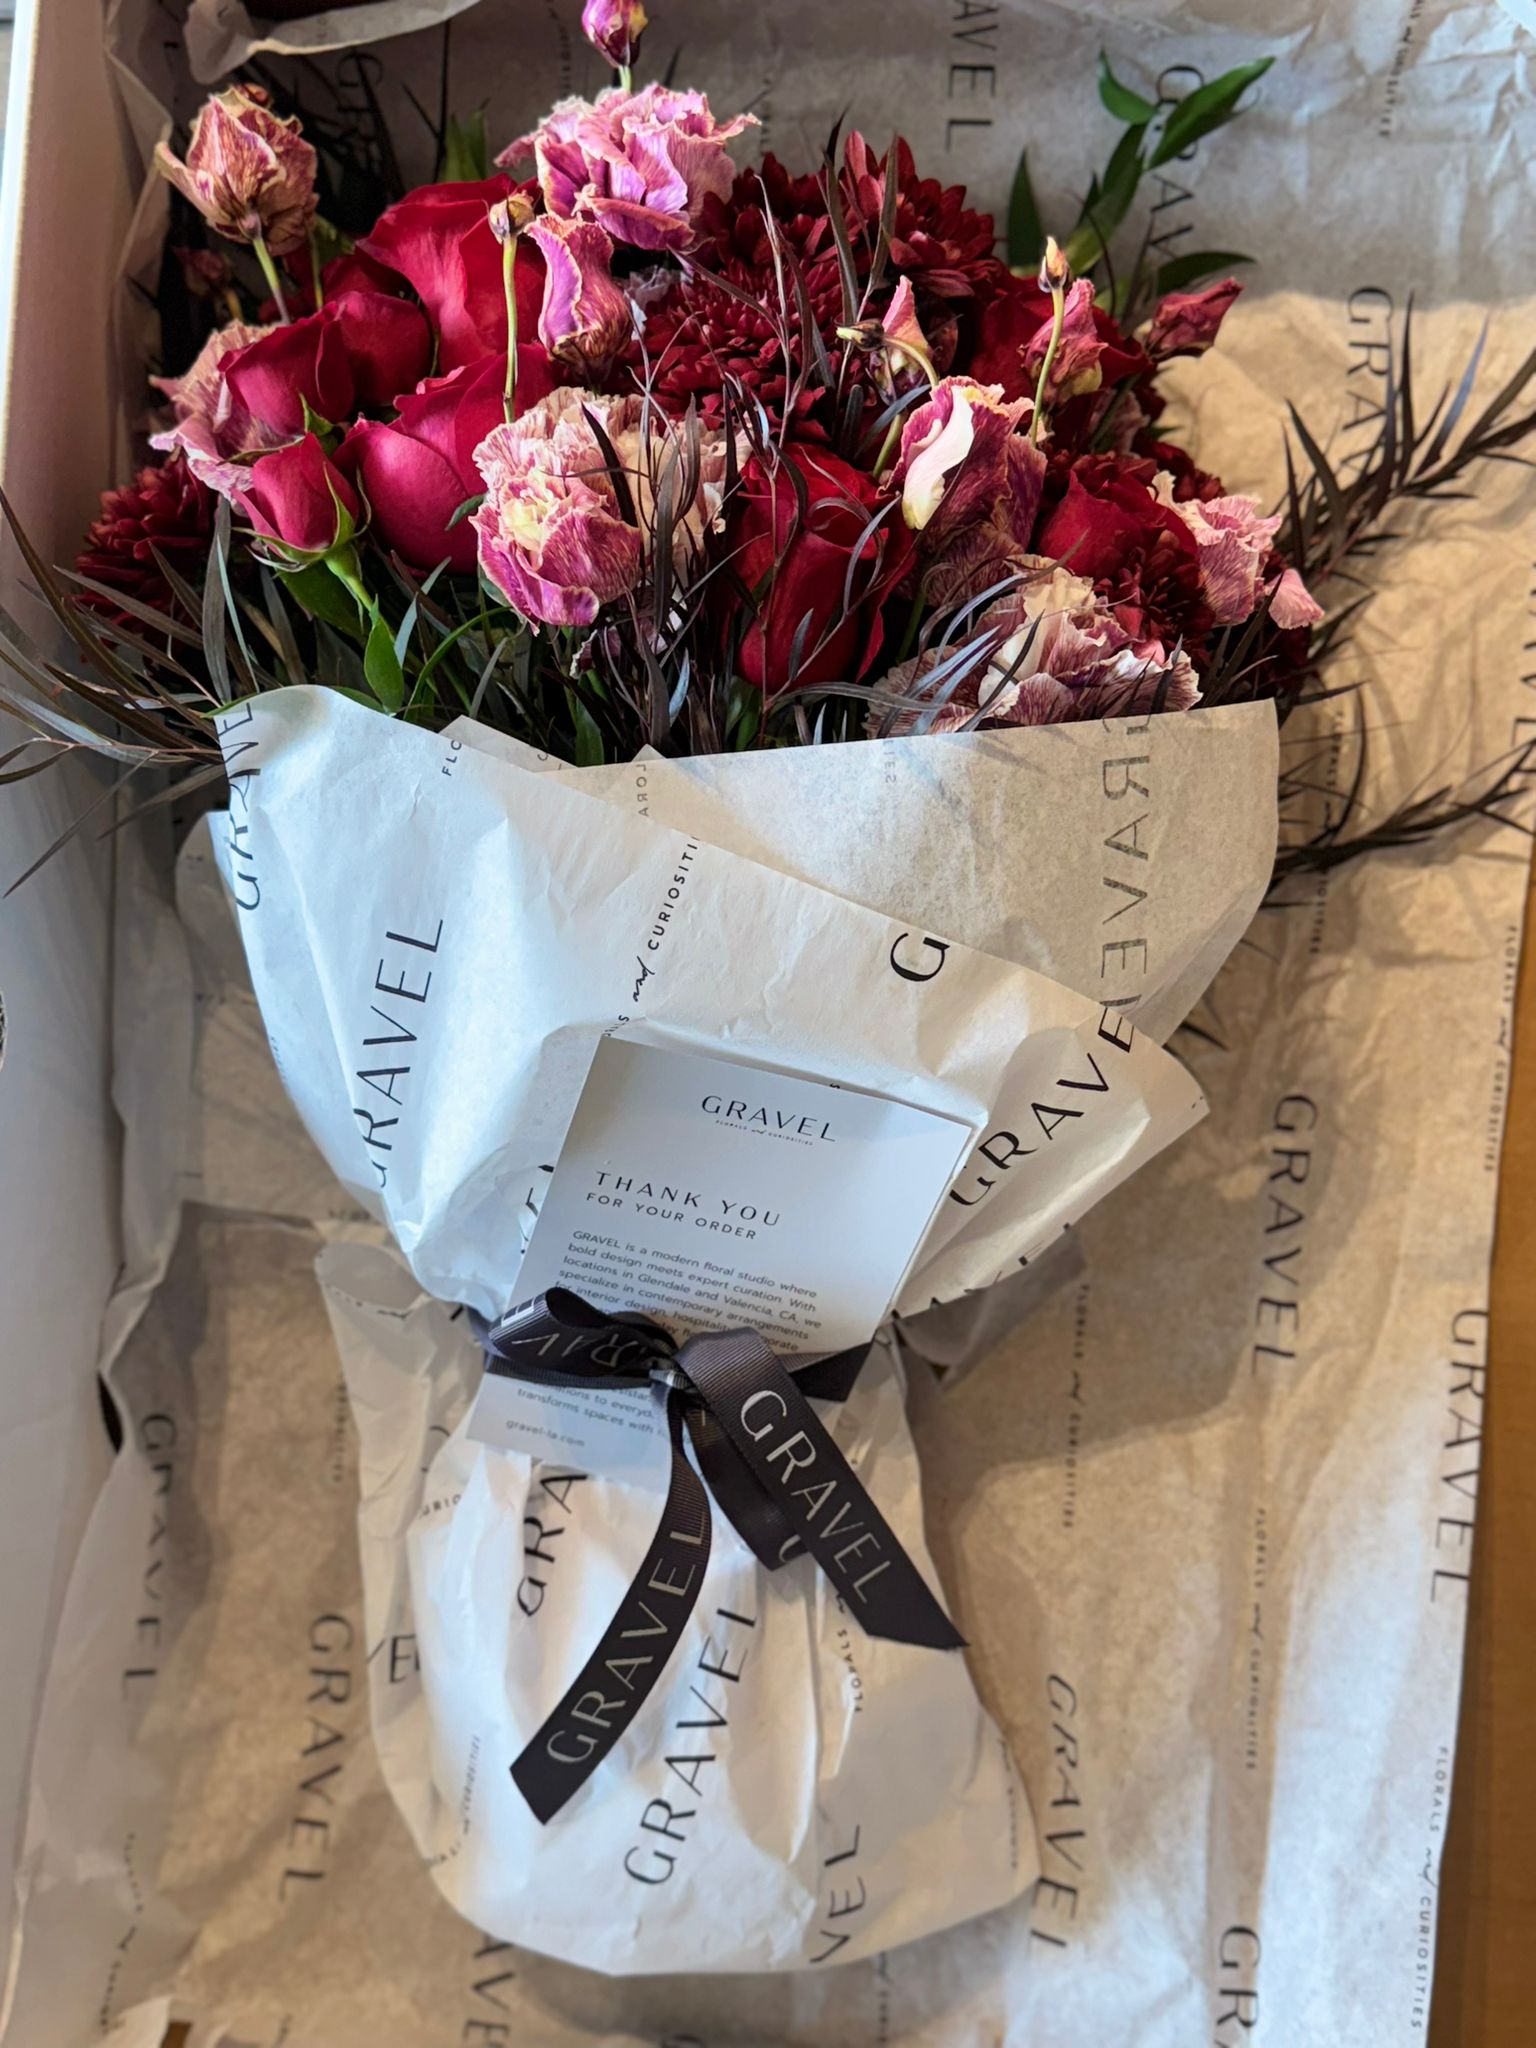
<point x="626" y="78"/>
<point x="269" y="272"/>
<point x="314" y="269"/>
<point x="509" y="289"/>
<point x="1058" y="321"/>
<point x="888" y="445"/>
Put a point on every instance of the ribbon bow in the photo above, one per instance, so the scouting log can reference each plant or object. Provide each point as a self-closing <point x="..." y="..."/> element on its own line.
<point x="774" y="1472"/>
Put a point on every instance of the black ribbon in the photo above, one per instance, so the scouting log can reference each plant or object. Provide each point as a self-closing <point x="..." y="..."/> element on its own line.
<point x="774" y="1472"/>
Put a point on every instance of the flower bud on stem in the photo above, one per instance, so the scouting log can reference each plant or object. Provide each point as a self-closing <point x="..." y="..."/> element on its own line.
<point x="508" y="219"/>
<point x="1055" y="276"/>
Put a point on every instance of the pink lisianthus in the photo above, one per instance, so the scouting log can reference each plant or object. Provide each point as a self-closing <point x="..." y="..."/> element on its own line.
<point x="1060" y="655"/>
<point x="554" y="537"/>
<point x="418" y="469"/>
<point x="1186" y="323"/>
<point x="970" y="486"/>
<point x="614" y="29"/>
<point x="249" y="173"/>
<point x="639" y="164"/>
<point x="1291" y="604"/>
<point x="1234" y="539"/>
<point x="1077" y="366"/>
<point x="586" y="318"/>
<point x="211" y="427"/>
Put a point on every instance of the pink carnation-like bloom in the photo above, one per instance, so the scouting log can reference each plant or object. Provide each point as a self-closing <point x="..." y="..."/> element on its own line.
<point x="1061" y="656"/>
<point x="1291" y="604"/>
<point x="553" y="535"/>
<point x="639" y="164"/>
<point x="249" y="173"/>
<point x="212" y="427"/>
<point x="1234" y="539"/>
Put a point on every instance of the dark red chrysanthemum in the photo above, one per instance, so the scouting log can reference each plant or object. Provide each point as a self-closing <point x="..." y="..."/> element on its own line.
<point x="164" y="508"/>
<point x="943" y="245"/>
<point x="737" y="317"/>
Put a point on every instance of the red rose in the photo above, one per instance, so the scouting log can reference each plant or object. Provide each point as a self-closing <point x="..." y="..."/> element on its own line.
<point x="807" y="558"/>
<point x="387" y="340"/>
<point x="439" y="238"/>
<point x="277" y="375"/>
<point x="355" y="272"/>
<point x="1138" y="553"/>
<point x="297" y="495"/>
<point x="417" y="470"/>
<point x="1011" y="312"/>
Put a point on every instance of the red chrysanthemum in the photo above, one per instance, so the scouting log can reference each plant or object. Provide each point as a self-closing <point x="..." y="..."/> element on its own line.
<point x="728" y="319"/>
<point x="165" y="508"/>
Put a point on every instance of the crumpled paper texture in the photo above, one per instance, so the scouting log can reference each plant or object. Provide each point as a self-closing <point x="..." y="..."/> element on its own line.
<point x="1216" y="1594"/>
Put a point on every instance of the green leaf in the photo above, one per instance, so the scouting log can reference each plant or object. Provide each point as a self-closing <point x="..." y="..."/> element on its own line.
<point x="1182" y="271"/>
<point x="589" y="739"/>
<point x="1110" y="205"/>
<point x="318" y="593"/>
<point x="1209" y="107"/>
<point x="1120" y="101"/>
<point x="466" y="154"/>
<point x="381" y="665"/>
<point x="1026" y="231"/>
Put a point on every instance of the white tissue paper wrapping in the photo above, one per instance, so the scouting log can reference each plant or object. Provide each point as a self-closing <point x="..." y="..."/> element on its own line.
<point x="439" y="929"/>
<point x="1216" y="1599"/>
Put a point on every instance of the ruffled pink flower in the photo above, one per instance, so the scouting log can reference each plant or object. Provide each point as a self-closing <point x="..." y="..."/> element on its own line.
<point x="639" y="164"/>
<point x="1186" y="323"/>
<point x="614" y="29"/>
<point x="1234" y="539"/>
<point x="249" y="173"/>
<point x="1076" y="367"/>
<point x="970" y="486"/>
<point x="586" y="317"/>
<point x="211" y="425"/>
<point x="554" y="537"/>
<point x="1061" y="656"/>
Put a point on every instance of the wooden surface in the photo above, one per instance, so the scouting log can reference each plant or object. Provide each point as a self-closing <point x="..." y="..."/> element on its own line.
<point x="1485" y="1968"/>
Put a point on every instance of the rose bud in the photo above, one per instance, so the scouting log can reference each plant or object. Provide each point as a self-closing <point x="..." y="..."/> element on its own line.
<point x="417" y="470"/>
<point x="614" y="28"/>
<point x="585" y="319"/>
<point x="387" y="342"/>
<point x="298" y="497"/>
<point x="303" y="363"/>
<point x="1186" y="323"/>
<point x="249" y="173"/>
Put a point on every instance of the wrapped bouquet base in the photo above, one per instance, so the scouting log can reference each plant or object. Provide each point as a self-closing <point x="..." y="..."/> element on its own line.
<point x="434" y="1004"/>
<point x="796" y="1794"/>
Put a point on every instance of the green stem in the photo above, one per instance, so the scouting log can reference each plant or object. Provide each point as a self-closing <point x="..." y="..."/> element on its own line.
<point x="509" y="291"/>
<point x="314" y="269"/>
<point x="626" y="79"/>
<point x="345" y="567"/>
<point x="909" y="631"/>
<point x="1058" y="321"/>
<point x="888" y="445"/>
<point x="269" y="272"/>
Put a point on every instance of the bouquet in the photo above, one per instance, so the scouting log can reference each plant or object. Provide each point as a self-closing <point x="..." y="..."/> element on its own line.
<point x="666" y="626"/>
